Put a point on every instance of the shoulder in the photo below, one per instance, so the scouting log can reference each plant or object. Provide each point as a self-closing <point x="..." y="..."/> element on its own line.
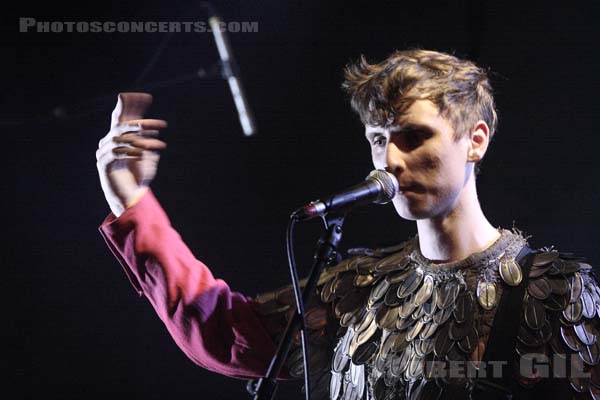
<point x="360" y="272"/>
<point x="364" y="260"/>
<point x="561" y="320"/>
<point x="564" y="283"/>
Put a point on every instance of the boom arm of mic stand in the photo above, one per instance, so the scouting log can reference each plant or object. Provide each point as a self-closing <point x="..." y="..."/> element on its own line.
<point x="326" y="248"/>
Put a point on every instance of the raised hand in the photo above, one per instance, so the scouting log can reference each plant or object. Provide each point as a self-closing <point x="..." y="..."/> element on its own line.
<point x="128" y="156"/>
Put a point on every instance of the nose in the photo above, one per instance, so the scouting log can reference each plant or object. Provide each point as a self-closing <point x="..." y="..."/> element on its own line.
<point x="394" y="159"/>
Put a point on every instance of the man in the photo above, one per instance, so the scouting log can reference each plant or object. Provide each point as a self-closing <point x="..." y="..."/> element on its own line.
<point x="430" y="318"/>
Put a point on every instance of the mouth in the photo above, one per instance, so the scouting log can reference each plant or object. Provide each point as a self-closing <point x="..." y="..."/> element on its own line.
<point x="410" y="188"/>
<point x="403" y="188"/>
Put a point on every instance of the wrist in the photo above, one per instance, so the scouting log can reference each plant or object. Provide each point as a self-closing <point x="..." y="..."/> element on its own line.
<point x="136" y="197"/>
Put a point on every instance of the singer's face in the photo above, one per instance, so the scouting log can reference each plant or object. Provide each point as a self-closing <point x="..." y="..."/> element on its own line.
<point x="430" y="164"/>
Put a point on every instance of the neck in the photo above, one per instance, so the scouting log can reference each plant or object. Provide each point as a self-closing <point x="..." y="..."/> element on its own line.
<point x="456" y="234"/>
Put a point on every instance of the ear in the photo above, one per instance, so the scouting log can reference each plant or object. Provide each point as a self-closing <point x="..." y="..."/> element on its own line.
<point x="479" y="140"/>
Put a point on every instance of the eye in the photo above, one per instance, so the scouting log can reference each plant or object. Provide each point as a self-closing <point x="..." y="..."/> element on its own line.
<point x="414" y="138"/>
<point x="379" y="141"/>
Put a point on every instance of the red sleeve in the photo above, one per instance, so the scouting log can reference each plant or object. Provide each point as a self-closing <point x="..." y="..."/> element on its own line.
<point x="215" y="327"/>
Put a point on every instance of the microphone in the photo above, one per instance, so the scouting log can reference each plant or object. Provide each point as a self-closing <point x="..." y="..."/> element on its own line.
<point x="230" y="71"/>
<point x="379" y="187"/>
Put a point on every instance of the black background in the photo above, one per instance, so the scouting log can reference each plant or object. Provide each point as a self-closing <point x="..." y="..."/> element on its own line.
<point x="75" y="327"/>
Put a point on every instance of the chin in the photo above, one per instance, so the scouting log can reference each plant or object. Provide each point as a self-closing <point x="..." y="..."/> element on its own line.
<point x="411" y="212"/>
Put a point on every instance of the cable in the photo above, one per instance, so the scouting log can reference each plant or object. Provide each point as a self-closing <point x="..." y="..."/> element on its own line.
<point x="299" y="302"/>
<point x="152" y="61"/>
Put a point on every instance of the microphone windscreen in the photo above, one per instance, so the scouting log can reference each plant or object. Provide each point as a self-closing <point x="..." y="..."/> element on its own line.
<point x="388" y="183"/>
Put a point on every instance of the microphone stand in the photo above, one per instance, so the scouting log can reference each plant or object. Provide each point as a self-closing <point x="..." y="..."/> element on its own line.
<point x="90" y="106"/>
<point x="266" y="386"/>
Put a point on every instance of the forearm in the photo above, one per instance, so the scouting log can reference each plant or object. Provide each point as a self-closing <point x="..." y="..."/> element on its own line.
<point x="216" y="328"/>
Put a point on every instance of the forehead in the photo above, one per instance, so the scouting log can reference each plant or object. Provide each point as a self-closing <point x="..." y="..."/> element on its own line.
<point x="422" y="113"/>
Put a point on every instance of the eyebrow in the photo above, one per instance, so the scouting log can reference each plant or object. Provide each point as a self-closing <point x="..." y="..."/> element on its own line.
<point x="408" y="127"/>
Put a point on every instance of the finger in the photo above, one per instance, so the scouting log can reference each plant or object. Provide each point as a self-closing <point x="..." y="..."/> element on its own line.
<point x="128" y="151"/>
<point x="106" y="154"/>
<point x="106" y="148"/>
<point x="151" y="145"/>
<point x="117" y="131"/>
<point x="147" y="123"/>
<point x="148" y="144"/>
<point x="128" y="137"/>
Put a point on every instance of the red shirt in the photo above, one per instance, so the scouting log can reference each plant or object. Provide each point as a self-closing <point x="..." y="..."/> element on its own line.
<point x="217" y="328"/>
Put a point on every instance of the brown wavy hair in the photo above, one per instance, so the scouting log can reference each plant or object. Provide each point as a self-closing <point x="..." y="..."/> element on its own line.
<point x="460" y="89"/>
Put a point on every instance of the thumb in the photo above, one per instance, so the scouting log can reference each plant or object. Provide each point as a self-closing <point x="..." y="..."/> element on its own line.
<point x="130" y="106"/>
